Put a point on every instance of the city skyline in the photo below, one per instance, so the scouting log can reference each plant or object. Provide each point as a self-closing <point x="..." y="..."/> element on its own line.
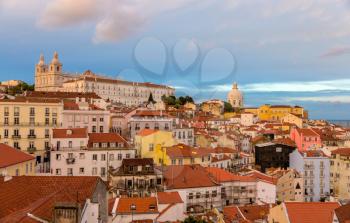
<point x="290" y="52"/>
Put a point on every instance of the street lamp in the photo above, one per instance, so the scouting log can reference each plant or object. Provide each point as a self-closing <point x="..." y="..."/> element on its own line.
<point x="132" y="208"/>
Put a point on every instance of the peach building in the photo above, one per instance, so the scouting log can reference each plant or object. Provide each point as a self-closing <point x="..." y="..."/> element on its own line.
<point x="305" y="139"/>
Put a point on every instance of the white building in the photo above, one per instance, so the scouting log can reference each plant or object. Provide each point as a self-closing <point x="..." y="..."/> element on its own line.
<point x="235" y="97"/>
<point x="314" y="166"/>
<point x="82" y="114"/>
<point x="50" y="77"/>
<point x="103" y="150"/>
<point x="248" y="119"/>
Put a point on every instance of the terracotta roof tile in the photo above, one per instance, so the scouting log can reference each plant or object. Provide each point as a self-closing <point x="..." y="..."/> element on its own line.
<point x="342" y="151"/>
<point x="343" y="213"/>
<point x="70" y="133"/>
<point x="11" y="156"/>
<point x="169" y="198"/>
<point x="38" y="194"/>
<point x="221" y="176"/>
<point x="146" y="132"/>
<point x="143" y="205"/>
<point x="310" y="212"/>
<point x="105" y="138"/>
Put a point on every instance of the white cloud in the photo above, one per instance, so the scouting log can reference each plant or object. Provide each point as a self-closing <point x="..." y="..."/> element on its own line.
<point x="327" y="99"/>
<point x="61" y="13"/>
<point x="305" y="86"/>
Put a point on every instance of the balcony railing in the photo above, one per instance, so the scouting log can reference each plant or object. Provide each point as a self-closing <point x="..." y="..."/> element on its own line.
<point x="70" y="160"/>
<point x="6" y="114"/>
<point x="31" y="136"/>
<point x="31" y="149"/>
<point x="28" y="124"/>
<point x="16" y="136"/>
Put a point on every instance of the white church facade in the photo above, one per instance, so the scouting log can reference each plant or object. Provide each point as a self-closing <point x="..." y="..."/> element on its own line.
<point x="235" y="97"/>
<point x="50" y="77"/>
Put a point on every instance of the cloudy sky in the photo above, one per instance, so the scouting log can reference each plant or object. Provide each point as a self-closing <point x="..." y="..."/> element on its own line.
<point x="279" y="51"/>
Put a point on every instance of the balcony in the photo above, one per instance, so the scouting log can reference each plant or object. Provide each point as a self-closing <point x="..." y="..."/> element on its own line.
<point x="70" y="160"/>
<point x="31" y="136"/>
<point x="47" y="114"/>
<point x="31" y="149"/>
<point x="47" y="136"/>
<point x="16" y="113"/>
<point x="6" y="113"/>
<point x="32" y="114"/>
<point x="16" y="137"/>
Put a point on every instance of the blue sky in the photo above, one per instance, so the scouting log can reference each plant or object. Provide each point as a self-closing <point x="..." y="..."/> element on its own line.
<point x="279" y="51"/>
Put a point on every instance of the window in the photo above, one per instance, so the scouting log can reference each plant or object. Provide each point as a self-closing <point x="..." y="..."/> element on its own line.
<point x="214" y="193"/>
<point x="103" y="171"/>
<point x="111" y="157"/>
<point x="32" y="111"/>
<point x="94" y="129"/>
<point x="101" y="119"/>
<point x="101" y="129"/>
<point x="173" y="162"/>
<point x="58" y="171"/>
<point x="94" y="171"/>
<point x="120" y="156"/>
<point x="70" y="171"/>
<point x="81" y="155"/>
<point x="207" y="194"/>
<point x="6" y="133"/>
<point x="103" y="157"/>
<point x="127" y="156"/>
<point x="180" y="161"/>
<point x="198" y="195"/>
<point x="150" y="147"/>
<point x="81" y="170"/>
<point x="16" y="121"/>
<point x="6" y="121"/>
<point x="47" y="111"/>
<point x="58" y="156"/>
<point x="190" y="196"/>
<point x="17" y="172"/>
<point x="94" y="157"/>
<point x="70" y="144"/>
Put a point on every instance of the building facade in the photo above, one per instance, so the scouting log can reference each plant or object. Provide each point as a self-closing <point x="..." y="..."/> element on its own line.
<point x="50" y="77"/>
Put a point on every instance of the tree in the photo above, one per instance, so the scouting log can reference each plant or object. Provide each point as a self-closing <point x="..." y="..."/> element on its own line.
<point x="150" y="99"/>
<point x="228" y="107"/>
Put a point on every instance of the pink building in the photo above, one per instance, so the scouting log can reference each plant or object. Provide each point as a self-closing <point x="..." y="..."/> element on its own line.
<point x="305" y="139"/>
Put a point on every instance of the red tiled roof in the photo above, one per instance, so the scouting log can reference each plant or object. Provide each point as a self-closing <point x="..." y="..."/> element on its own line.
<point x="169" y="198"/>
<point x="38" y="194"/>
<point x="187" y="176"/>
<point x="343" y="213"/>
<point x="263" y="177"/>
<point x="105" y="138"/>
<point x="342" y="151"/>
<point x="146" y="132"/>
<point x="221" y="176"/>
<point x="285" y="141"/>
<point x="251" y="213"/>
<point x="143" y="205"/>
<point x="310" y="212"/>
<point x="10" y="156"/>
<point x="307" y="132"/>
<point x="70" y="133"/>
<point x="61" y="95"/>
<point x="151" y="113"/>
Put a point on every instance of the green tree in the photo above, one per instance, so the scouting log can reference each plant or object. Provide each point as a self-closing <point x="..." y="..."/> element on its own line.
<point x="228" y="107"/>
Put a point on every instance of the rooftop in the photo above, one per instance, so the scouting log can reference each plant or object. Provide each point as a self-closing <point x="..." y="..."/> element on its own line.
<point x="10" y="156"/>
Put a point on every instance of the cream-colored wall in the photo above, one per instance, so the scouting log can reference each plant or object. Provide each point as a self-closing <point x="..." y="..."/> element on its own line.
<point x="278" y="214"/>
<point x="24" y="126"/>
<point x="340" y="175"/>
<point x="26" y="168"/>
<point x="290" y="118"/>
<point x="286" y="188"/>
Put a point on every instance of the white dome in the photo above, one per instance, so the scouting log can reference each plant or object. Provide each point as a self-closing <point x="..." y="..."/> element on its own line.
<point x="235" y="97"/>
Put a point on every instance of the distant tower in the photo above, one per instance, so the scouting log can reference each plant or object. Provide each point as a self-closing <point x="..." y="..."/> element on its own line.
<point x="235" y="97"/>
<point x="40" y="73"/>
<point x="48" y="77"/>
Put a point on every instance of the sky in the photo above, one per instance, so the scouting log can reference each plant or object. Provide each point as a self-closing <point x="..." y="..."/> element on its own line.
<point x="279" y="51"/>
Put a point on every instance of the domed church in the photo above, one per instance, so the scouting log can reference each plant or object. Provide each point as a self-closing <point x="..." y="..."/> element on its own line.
<point x="235" y="97"/>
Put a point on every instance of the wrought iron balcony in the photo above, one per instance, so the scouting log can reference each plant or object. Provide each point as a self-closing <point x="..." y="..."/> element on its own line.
<point x="16" y="136"/>
<point x="31" y="136"/>
<point x="31" y="149"/>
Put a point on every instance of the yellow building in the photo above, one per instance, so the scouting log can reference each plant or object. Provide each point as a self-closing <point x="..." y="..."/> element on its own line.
<point x="290" y="185"/>
<point x="149" y="143"/>
<point x="26" y="123"/>
<point x="276" y="112"/>
<point x="15" y="163"/>
<point x="293" y="119"/>
<point x="340" y="173"/>
<point x="215" y="107"/>
<point x="182" y="154"/>
<point x="190" y="105"/>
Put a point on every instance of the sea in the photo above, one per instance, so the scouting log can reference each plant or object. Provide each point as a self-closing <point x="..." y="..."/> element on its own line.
<point x="344" y="123"/>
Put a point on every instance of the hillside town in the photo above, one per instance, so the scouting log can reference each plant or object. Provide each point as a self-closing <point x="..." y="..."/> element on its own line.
<point x="85" y="147"/>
